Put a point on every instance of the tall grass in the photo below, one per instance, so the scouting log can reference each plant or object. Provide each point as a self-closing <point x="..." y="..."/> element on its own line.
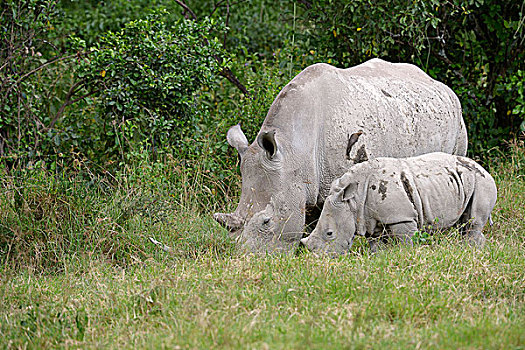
<point x="78" y="270"/>
<point x="46" y="217"/>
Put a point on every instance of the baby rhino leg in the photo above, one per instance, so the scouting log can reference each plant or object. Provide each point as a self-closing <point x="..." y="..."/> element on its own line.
<point x="474" y="220"/>
<point x="377" y="235"/>
<point x="403" y="232"/>
<point x="376" y="243"/>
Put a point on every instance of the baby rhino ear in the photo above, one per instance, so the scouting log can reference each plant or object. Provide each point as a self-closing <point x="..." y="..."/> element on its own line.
<point x="350" y="191"/>
<point x="237" y="139"/>
<point x="345" y="187"/>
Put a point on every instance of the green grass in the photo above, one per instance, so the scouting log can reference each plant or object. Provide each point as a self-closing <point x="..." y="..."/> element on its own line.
<point x="432" y="296"/>
<point x="90" y="277"/>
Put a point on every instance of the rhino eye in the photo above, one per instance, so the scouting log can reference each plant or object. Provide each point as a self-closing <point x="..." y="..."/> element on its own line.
<point x="329" y="233"/>
<point x="266" y="221"/>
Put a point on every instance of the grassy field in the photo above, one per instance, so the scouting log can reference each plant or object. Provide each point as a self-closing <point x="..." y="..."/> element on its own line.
<point x="78" y="270"/>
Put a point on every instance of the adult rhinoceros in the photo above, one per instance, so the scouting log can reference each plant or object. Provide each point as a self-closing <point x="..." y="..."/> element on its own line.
<point x="386" y="109"/>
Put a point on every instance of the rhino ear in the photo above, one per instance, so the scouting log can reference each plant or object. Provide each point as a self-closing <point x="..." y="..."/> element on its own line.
<point x="237" y="139"/>
<point x="344" y="184"/>
<point x="266" y="141"/>
<point x="350" y="191"/>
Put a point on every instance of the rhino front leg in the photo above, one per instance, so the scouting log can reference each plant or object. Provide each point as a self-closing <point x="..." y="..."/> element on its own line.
<point x="379" y="239"/>
<point x="402" y="232"/>
<point x="475" y="238"/>
<point x="376" y="243"/>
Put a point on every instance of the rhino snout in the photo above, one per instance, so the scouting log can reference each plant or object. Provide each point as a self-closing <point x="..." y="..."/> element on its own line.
<point x="309" y="243"/>
<point x="232" y="222"/>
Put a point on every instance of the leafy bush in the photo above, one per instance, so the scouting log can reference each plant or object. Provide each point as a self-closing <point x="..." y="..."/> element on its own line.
<point x="516" y="87"/>
<point x="27" y="77"/>
<point x="101" y="16"/>
<point x="136" y="88"/>
<point x="147" y="76"/>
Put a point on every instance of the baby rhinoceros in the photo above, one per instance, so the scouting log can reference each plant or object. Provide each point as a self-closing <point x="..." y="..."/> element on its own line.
<point x="389" y="198"/>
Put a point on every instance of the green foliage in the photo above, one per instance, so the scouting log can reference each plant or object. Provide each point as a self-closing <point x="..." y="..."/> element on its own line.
<point x="257" y="27"/>
<point x="516" y="87"/>
<point x="127" y="85"/>
<point x="147" y="76"/>
<point x="48" y="217"/>
<point x="135" y="88"/>
<point x="101" y="16"/>
<point x="26" y="79"/>
<point x="439" y="296"/>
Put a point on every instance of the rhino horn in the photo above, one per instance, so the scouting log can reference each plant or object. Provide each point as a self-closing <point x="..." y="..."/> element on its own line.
<point x="232" y="221"/>
<point x="237" y="139"/>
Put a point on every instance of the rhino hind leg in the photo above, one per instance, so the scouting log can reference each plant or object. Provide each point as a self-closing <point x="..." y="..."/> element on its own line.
<point x="478" y="213"/>
<point x="472" y="223"/>
<point x="475" y="238"/>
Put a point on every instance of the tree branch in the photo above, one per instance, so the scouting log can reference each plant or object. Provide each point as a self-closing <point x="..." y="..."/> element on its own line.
<point x="44" y="65"/>
<point x="228" y="74"/>
<point x="185" y="7"/>
<point x="75" y="88"/>
<point x="217" y="5"/>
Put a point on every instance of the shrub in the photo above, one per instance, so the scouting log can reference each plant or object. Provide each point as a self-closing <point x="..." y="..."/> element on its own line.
<point x="147" y="76"/>
<point x="27" y="74"/>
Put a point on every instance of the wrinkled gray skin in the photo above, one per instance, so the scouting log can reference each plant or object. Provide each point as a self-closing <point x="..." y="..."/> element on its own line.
<point x="398" y="109"/>
<point x="388" y="198"/>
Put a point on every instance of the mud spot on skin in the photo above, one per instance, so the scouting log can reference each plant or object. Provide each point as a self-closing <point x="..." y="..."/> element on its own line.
<point x="408" y="188"/>
<point x="287" y="89"/>
<point x="382" y="189"/>
<point x="361" y="155"/>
